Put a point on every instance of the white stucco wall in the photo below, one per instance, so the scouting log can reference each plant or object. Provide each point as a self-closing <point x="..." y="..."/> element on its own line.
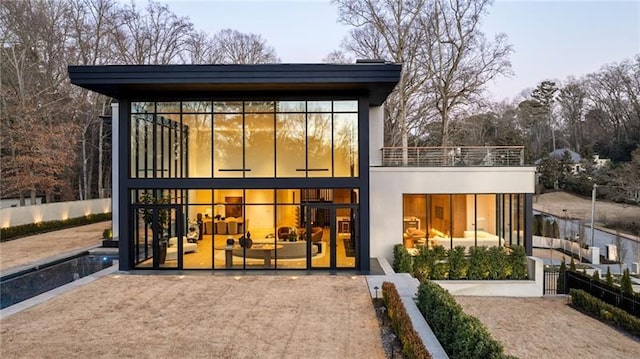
<point x="376" y="134"/>
<point x="15" y="216"/>
<point x="388" y="184"/>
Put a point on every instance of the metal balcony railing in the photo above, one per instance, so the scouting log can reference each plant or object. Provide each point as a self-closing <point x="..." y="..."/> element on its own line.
<point x="453" y="156"/>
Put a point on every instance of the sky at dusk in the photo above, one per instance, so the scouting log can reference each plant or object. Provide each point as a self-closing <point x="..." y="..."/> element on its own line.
<point x="551" y="39"/>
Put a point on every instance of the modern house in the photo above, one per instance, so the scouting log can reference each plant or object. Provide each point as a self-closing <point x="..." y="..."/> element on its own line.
<point x="283" y="166"/>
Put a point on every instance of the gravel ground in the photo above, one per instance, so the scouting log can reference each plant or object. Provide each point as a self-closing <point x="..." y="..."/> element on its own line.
<point x="200" y="316"/>
<point x="548" y="328"/>
<point x="25" y="250"/>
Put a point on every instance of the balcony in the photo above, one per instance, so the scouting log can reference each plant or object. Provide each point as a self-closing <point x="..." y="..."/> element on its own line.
<point x="453" y="156"/>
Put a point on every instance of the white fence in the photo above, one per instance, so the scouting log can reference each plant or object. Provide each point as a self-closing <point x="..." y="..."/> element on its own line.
<point x="16" y="216"/>
<point x="592" y="253"/>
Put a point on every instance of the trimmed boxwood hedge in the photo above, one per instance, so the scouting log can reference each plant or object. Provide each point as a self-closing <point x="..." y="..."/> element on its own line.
<point x="9" y="233"/>
<point x="412" y="345"/>
<point x="461" y="335"/>
<point x="587" y="303"/>
<point x="483" y="263"/>
<point x="402" y="261"/>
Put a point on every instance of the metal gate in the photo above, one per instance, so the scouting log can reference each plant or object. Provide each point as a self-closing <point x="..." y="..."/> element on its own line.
<point x="551" y="282"/>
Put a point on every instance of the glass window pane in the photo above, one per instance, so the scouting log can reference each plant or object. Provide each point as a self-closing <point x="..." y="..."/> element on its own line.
<point x="290" y="145"/>
<point x="227" y="107"/>
<point x="319" y="106"/>
<point x="345" y="145"/>
<point x="141" y="138"/>
<point x="319" y="145"/>
<point x="345" y="106"/>
<point x="290" y="106"/>
<point x="142" y="107"/>
<point x="259" y="145"/>
<point x="196" y="107"/>
<point x="168" y="107"/>
<point x="439" y="217"/>
<point x="258" y="106"/>
<point x="414" y="220"/>
<point x="486" y="220"/>
<point x="198" y="129"/>
<point x="167" y="149"/>
<point x="227" y="141"/>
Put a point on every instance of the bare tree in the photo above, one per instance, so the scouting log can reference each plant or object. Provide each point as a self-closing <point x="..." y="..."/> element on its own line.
<point x="154" y="36"/>
<point x="571" y="100"/>
<point x="234" y="47"/>
<point x="621" y="249"/>
<point x="458" y="59"/>
<point x="337" y="57"/>
<point x="389" y="30"/>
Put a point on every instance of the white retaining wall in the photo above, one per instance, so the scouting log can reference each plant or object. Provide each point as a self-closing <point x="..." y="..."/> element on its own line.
<point x="16" y="216"/>
<point x="592" y="253"/>
<point x="534" y="287"/>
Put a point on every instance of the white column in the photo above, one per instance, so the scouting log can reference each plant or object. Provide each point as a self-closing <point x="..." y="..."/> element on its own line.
<point x="115" y="194"/>
<point x="376" y="134"/>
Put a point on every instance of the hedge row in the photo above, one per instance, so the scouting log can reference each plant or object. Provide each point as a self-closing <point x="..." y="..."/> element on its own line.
<point x="482" y="263"/>
<point x="412" y="345"/>
<point x="585" y="302"/>
<point x="461" y="335"/>
<point x="9" y="233"/>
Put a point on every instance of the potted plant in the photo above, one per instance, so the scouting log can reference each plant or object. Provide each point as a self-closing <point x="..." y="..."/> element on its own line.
<point x="163" y="219"/>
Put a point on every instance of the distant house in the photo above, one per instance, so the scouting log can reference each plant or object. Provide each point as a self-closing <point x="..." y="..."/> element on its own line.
<point x="577" y="162"/>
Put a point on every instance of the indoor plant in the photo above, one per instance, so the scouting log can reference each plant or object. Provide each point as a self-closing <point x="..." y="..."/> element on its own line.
<point x="163" y="219"/>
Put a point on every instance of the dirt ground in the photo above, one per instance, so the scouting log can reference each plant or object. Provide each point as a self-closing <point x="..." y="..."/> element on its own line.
<point x="548" y="328"/>
<point x="578" y="207"/>
<point x="25" y="250"/>
<point x="200" y="316"/>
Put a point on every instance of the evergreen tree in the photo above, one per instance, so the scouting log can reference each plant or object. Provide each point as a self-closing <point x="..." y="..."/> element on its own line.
<point x="625" y="282"/>
<point x="572" y="265"/>
<point x="596" y="276"/>
<point x="562" y="286"/>
<point x="609" y="277"/>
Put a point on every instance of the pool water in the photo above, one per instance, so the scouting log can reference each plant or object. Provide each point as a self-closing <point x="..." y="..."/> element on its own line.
<point x="15" y="288"/>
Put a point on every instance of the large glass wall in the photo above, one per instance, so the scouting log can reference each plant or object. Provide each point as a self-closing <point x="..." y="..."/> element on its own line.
<point x="466" y="220"/>
<point x="245" y="228"/>
<point x="236" y="139"/>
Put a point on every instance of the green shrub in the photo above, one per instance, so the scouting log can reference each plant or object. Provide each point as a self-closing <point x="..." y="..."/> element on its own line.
<point x="585" y="302"/>
<point x="458" y="265"/>
<point x="518" y="261"/>
<point x="412" y="345"/>
<point x="461" y="335"/>
<point x="609" y="277"/>
<point x="478" y="263"/>
<point x="596" y="275"/>
<point x="107" y="233"/>
<point x="24" y="230"/>
<point x="625" y="282"/>
<point x="402" y="261"/>
<point x="424" y="263"/>
<point x="440" y="265"/>
<point x="499" y="266"/>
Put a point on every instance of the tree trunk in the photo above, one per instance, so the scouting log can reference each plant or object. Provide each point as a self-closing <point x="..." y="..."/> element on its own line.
<point x="33" y="196"/>
<point x="22" y="200"/>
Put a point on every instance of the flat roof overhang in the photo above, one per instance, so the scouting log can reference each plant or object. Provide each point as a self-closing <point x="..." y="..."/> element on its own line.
<point x="376" y="80"/>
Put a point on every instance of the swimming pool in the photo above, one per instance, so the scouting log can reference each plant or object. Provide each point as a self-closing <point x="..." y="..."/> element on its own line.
<point x="16" y="287"/>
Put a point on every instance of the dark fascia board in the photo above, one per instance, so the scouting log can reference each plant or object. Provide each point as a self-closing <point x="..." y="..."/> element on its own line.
<point x="126" y="81"/>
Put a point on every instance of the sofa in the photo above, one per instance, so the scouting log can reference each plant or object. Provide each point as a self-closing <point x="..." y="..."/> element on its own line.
<point x="289" y="250"/>
<point x="172" y="248"/>
<point x="484" y="239"/>
<point x="316" y="233"/>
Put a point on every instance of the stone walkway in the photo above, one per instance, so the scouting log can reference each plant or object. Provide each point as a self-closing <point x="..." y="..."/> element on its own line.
<point x="33" y="249"/>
